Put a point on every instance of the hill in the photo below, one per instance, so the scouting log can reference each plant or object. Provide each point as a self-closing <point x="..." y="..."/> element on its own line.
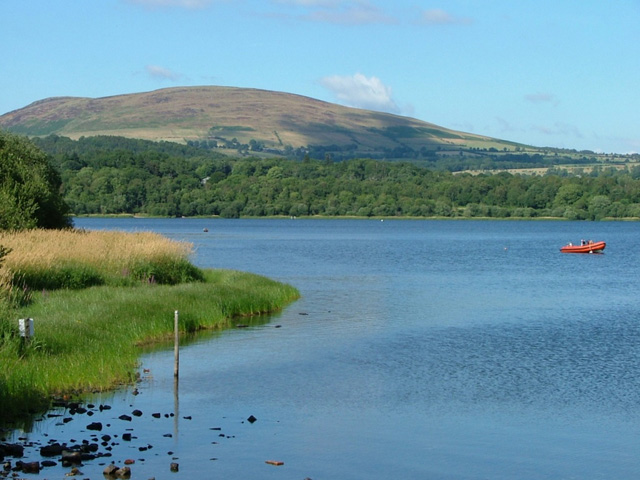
<point x="228" y="116"/>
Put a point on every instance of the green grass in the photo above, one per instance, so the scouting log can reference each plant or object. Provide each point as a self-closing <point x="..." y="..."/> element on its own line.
<point x="96" y="298"/>
<point x="89" y="340"/>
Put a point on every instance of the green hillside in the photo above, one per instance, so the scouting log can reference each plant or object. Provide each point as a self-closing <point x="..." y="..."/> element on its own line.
<point x="224" y="117"/>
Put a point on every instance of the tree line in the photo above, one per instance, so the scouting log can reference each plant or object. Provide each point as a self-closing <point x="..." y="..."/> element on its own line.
<point x="114" y="175"/>
<point x="29" y="188"/>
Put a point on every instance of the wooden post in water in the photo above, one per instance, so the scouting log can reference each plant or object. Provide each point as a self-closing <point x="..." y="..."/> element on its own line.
<point x="176" y="349"/>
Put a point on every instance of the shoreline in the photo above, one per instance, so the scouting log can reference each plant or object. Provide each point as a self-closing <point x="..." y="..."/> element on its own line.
<point x="355" y="217"/>
<point x="94" y="297"/>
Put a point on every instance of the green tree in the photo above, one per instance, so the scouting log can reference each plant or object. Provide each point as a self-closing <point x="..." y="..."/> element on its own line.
<point x="29" y="187"/>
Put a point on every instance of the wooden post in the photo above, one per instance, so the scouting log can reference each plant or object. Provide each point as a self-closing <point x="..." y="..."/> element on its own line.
<point x="176" y="349"/>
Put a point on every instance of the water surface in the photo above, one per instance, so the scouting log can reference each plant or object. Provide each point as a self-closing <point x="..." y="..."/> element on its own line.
<point x="419" y="349"/>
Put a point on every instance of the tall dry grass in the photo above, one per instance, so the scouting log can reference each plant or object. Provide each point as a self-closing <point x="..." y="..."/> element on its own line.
<point x="109" y="251"/>
<point x="78" y="258"/>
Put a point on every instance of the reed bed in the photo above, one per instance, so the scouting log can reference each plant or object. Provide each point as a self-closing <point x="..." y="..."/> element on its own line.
<point x="48" y="259"/>
<point x="88" y="339"/>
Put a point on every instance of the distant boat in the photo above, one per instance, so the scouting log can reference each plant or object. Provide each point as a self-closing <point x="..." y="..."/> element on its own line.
<point x="584" y="247"/>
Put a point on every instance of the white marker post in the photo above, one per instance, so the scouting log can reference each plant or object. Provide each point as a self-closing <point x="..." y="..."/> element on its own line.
<point x="25" y="326"/>
<point x="176" y="349"/>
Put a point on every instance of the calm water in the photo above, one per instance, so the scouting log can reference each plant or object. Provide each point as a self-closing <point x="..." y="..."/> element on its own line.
<point x="419" y="349"/>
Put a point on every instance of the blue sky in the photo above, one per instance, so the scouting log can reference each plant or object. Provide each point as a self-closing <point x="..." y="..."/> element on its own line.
<point x="559" y="73"/>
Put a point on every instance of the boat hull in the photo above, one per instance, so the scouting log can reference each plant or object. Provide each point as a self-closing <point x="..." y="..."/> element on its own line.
<point x="594" y="247"/>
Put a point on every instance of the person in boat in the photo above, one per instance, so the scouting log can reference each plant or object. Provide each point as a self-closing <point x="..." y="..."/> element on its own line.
<point x="582" y="242"/>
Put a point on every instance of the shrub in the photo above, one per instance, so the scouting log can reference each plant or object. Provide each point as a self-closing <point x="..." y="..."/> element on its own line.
<point x="73" y="276"/>
<point x="29" y="187"/>
<point x="165" y="270"/>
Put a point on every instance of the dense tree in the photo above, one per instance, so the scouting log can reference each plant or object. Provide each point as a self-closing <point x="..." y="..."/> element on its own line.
<point x="114" y="175"/>
<point x="29" y="187"/>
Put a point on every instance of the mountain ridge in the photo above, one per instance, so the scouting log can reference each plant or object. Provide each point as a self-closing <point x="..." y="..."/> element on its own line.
<point x="274" y="120"/>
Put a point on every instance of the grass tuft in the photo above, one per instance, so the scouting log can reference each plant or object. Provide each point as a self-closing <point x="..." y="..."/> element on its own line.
<point x="92" y="311"/>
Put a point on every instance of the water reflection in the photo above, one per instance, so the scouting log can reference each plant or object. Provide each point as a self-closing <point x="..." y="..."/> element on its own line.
<point x="448" y="350"/>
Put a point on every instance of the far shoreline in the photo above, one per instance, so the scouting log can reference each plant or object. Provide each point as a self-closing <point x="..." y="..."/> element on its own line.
<point x="352" y="217"/>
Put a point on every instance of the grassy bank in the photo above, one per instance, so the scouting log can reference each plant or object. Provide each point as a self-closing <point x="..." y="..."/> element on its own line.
<point x="88" y="327"/>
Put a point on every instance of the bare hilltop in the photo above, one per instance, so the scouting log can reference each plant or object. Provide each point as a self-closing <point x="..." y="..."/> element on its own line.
<point x="276" y="120"/>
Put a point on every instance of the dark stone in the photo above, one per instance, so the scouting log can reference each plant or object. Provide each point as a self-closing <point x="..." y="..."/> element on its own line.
<point x="110" y="470"/>
<point x="91" y="447"/>
<point x="156" y="415"/>
<point x="126" y="418"/>
<point x="52" y="450"/>
<point x="251" y="419"/>
<point x="124" y="472"/>
<point x="31" y="467"/>
<point x="126" y="437"/>
<point x="48" y="463"/>
<point x="11" y="450"/>
<point x="136" y="413"/>
<point x="71" y="457"/>
<point x="95" y="426"/>
<point x="174" y="467"/>
<point x="106" y="438"/>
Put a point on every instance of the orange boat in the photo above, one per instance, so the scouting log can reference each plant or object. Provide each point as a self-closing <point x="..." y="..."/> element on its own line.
<point x="584" y="247"/>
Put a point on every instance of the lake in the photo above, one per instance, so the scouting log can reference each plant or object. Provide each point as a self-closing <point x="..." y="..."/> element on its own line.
<point x="419" y="349"/>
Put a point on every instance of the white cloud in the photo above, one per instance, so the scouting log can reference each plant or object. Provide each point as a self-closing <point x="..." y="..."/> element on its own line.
<point x="361" y="92"/>
<point x="542" y="98"/>
<point x="505" y="126"/>
<point x="162" y="73"/>
<point x="311" y="3"/>
<point x="346" y="12"/>
<point x="559" y="128"/>
<point x="437" y="16"/>
<point x="188" y="4"/>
